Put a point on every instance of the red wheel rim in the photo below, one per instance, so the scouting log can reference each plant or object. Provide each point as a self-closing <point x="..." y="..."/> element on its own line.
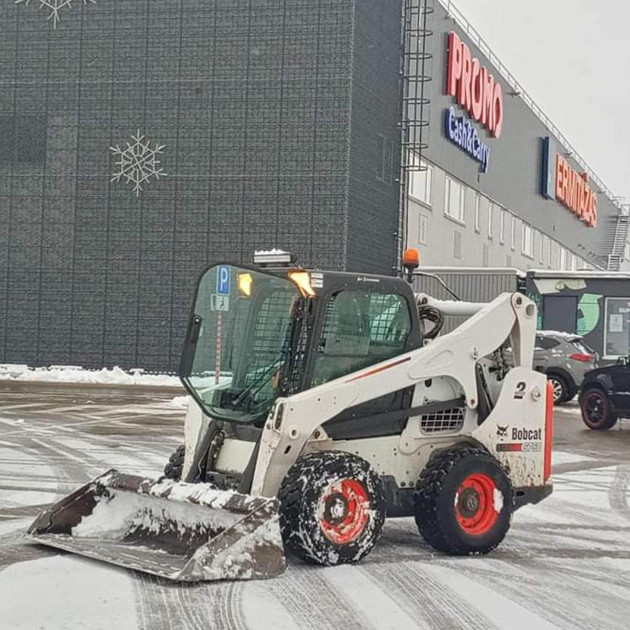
<point x="344" y="511"/>
<point x="475" y="506"/>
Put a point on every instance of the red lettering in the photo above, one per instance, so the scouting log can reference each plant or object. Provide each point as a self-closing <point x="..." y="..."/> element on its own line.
<point x="573" y="190"/>
<point x="454" y="63"/>
<point x="593" y="221"/>
<point x="477" y="90"/>
<point x="487" y="111"/>
<point x="559" y="178"/>
<point x="497" y="108"/>
<point x="473" y="86"/>
<point x="464" y="97"/>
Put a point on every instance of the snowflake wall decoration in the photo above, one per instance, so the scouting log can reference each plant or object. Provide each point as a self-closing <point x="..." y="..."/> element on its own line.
<point x="137" y="162"/>
<point x="54" y="7"/>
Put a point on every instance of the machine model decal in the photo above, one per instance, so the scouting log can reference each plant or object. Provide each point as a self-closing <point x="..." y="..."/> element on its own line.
<point x="523" y="440"/>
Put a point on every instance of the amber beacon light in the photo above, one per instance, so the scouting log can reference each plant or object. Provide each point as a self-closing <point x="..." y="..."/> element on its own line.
<point x="410" y="261"/>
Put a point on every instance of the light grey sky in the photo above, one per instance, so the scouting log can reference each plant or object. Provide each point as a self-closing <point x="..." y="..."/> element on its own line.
<point x="573" y="58"/>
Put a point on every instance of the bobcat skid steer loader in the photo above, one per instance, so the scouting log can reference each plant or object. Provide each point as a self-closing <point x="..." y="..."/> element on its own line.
<point x="322" y="403"/>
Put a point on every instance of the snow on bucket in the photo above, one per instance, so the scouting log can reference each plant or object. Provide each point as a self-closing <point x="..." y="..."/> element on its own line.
<point x="181" y="531"/>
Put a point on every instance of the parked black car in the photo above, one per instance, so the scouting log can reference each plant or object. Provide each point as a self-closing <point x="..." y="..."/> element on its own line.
<point x="605" y="396"/>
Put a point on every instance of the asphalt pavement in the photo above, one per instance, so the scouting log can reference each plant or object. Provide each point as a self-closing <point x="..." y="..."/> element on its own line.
<point x="564" y="564"/>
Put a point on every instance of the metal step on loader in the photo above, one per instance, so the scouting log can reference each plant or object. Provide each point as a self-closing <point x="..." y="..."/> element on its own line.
<point x="321" y="403"/>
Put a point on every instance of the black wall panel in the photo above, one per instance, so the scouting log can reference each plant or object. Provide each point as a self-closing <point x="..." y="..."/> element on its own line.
<point x="251" y="102"/>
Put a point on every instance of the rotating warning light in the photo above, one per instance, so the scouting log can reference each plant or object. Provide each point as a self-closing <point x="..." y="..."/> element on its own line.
<point x="410" y="261"/>
<point x="411" y="258"/>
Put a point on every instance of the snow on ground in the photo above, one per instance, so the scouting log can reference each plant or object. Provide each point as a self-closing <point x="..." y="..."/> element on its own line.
<point x="565" y="563"/>
<point x="562" y="457"/>
<point x="75" y="374"/>
<point x="66" y="592"/>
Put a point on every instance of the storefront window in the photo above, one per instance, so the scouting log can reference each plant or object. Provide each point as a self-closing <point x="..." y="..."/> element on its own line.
<point x="421" y="184"/>
<point x="528" y="241"/>
<point x="422" y="229"/>
<point x="490" y="213"/>
<point x="513" y="234"/>
<point x="617" y="332"/>
<point x="477" y="211"/>
<point x="454" y="200"/>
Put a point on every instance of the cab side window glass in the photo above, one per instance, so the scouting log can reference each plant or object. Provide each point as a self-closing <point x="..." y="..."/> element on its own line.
<point x="360" y="328"/>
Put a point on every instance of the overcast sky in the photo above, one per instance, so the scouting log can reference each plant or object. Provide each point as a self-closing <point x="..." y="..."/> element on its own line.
<point x="572" y="57"/>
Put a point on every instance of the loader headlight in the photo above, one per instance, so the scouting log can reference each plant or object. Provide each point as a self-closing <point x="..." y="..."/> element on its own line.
<point x="302" y="280"/>
<point x="245" y="282"/>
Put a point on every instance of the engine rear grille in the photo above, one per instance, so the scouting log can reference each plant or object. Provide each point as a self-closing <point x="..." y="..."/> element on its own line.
<point x="445" y="421"/>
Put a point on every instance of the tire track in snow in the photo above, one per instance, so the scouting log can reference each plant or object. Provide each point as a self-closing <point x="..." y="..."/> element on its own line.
<point x="527" y="584"/>
<point x="311" y="600"/>
<point x="426" y="598"/>
<point x="374" y="606"/>
<point x="67" y="474"/>
<point x="205" y="606"/>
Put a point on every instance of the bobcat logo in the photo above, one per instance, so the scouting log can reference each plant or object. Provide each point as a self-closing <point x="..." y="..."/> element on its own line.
<point x="502" y="431"/>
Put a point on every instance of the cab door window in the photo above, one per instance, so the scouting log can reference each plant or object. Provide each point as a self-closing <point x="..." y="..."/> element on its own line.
<point x="360" y="328"/>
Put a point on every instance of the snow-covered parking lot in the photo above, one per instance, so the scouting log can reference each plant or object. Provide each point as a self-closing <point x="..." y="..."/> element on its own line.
<point x="564" y="564"/>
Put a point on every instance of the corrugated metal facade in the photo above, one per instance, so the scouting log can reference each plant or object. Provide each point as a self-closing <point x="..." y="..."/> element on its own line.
<point x="470" y="285"/>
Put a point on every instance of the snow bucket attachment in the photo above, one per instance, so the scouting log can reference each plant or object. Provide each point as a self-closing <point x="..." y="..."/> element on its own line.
<point x="181" y="531"/>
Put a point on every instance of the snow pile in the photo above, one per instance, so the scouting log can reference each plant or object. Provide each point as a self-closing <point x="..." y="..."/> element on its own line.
<point x="75" y="374"/>
<point x="122" y="513"/>
<point x="180" y="402"/>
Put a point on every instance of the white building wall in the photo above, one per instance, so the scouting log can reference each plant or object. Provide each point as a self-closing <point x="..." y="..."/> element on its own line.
<point x="446" y="241"/>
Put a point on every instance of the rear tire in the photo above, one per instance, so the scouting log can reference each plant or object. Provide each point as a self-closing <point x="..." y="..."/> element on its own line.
<point x="561" y="390"/>
<point x="332" y="508"/>
<point x="597" y="413"/>
<point x="175" y="464"/>
<point x="464" y="502"/>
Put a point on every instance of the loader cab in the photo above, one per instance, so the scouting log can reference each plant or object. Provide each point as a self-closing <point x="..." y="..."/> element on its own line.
<point x="258" y="333"/>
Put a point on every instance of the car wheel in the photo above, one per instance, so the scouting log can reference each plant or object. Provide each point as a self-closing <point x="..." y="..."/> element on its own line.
<point x="560" y="388"/>
<point x="596" y="410"/>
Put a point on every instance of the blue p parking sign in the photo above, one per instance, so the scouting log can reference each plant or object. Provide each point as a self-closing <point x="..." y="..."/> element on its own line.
<point x="223" y="280"/>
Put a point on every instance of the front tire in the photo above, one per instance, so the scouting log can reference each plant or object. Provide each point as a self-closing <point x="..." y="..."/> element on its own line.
<point x="332" y="508"/>
<point x="597" y="413"/>
<point x="464" y="502"/>
<point x="175" y="464"/>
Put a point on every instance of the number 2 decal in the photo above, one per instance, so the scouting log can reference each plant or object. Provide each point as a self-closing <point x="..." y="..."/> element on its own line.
<point x="519" y="392"/>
